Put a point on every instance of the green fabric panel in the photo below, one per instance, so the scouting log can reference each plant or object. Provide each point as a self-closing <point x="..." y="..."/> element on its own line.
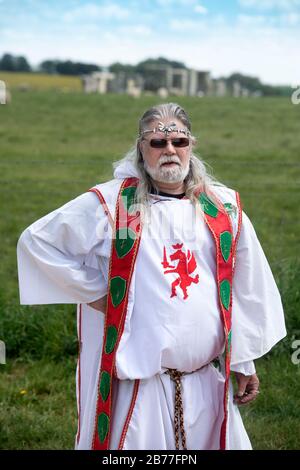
<point x="117" y="290"/>
<point x="128" y="197"/>
<point x="207" y="205"/>
<point x="104" y="385"/>
<point x="225" y="242"/>
<point x="125" y="238"/>
<point x="229" y="340"/>
<point x="225" y="293"/>
<point x="103" y="426"/>
<point x="111" y="338"/>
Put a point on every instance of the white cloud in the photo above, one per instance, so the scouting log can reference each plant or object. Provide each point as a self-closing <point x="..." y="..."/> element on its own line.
<point x="91" y="11"/>
<point x="186" y="26"/>
<point x="271" y="4"/>
<point x="200" y="9"/>
<point x="8" y="32"/>
<point x="168" y="3"/>
<point x="291" y="19"/>
<point x="140" y="30"/>
<point x="218" y="20"/>
<point x="252" y="20"/>
<point x="282" y="20"/>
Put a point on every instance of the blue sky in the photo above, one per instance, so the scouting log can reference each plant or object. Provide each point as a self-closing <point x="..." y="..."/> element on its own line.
<point x="255" y="37"/>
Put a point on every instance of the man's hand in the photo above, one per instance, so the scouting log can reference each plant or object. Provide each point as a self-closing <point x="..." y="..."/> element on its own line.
<point x="248" y="386"/>
<point x="99" y="304"/>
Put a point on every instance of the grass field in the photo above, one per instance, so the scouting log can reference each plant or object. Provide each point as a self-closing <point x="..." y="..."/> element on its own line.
<point x="53" y="147"/>
<point x="40" y="81"/>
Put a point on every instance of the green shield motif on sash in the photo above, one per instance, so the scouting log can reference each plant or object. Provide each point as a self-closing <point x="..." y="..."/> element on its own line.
<point x="125" y="238"/>
<point x="207" y="205"/>
<point x="225" y="242"/>
<point x="128" y="197"/>
<point x="225" y="293"/>
<point x="103" y="426"/>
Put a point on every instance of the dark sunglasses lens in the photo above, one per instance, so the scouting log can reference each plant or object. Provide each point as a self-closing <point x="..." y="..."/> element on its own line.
<point x="161" y="143"/>
<point x="180" y="142"/>
<point x="158" y="143"/>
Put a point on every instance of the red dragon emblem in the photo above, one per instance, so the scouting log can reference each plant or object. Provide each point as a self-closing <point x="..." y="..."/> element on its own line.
<point x="186" y="265"/>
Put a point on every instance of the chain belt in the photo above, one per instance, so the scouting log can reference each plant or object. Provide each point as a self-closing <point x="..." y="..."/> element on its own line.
<point x="175" y="376"/>
<point x="178" y="408"/>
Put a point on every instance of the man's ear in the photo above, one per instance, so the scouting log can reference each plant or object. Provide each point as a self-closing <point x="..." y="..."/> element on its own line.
<point x="194" y="141"/>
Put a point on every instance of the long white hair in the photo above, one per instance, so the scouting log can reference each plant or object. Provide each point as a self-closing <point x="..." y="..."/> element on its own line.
<point x="198" y="178"/>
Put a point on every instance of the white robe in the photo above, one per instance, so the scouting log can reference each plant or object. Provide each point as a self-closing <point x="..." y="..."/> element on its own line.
<point x="64" y="258"/>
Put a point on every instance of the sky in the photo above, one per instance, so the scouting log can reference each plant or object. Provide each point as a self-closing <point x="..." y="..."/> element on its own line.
<point x="260" y="38"/>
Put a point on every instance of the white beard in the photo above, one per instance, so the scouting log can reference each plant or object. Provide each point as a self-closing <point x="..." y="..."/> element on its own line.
<point x="162" y="174"/>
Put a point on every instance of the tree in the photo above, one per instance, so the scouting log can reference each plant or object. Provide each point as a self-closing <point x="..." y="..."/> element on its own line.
<point x="7" y="63"/>
<point x="117" y="67"/>
<point x="67" y="67"/>
<point x="48" y="66"/>
<point x="142" y="66"/>
<point x="251" y="83"/>
<point x="21" y="64"/>
<point x="86" y="68"/>
<point x="12" y="63"/>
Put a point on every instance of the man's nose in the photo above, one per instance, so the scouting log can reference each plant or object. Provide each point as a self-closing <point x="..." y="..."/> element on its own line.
<point x="170" y="150"/>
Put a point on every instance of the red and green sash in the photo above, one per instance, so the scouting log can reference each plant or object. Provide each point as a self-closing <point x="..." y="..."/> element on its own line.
<point x="219" y="224"/>
<point x="125" y="244"/>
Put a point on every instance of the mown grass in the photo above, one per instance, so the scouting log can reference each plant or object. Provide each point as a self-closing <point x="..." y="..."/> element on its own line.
<point x="38" y="405"/>
<point x="54" y="146"/>
<point x="40" y="81"/>
<point x="272" y="422"/>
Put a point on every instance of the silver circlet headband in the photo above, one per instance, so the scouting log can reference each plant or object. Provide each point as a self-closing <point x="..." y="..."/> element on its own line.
<point x="167" y="129"/>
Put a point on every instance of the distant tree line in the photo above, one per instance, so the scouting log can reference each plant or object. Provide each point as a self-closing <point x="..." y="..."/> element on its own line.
<point x="253" y="84"/>
<point x="11" y="63"/>
<point x="77" y="68"/>
<point x="141" y="67"/>
<point x="67" y="67"/>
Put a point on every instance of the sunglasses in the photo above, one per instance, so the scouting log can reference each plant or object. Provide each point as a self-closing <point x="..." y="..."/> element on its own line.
<point x="162" y="143"/>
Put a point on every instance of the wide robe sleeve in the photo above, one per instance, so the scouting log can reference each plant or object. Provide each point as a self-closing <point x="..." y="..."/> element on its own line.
<point x="57" y="255"/>
<point x="257" y="315"/>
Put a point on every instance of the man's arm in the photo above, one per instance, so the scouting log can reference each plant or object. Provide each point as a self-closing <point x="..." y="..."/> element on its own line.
<point x="257" y="315"/>
<point x="52" y="255"/>
<point x="248" y="388"/>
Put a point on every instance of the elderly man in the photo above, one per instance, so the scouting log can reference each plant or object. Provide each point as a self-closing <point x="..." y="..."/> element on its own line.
<point x="173" y="291"/>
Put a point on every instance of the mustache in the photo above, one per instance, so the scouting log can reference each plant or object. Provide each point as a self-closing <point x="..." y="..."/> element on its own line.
<point x="169" y="159"/>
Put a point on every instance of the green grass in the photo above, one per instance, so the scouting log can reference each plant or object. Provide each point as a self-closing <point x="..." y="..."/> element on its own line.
<point x="53" y="147"/>
<point x="38" y="405"/>
<point x="40" y="81"/>
<point x="272" y="422"/>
